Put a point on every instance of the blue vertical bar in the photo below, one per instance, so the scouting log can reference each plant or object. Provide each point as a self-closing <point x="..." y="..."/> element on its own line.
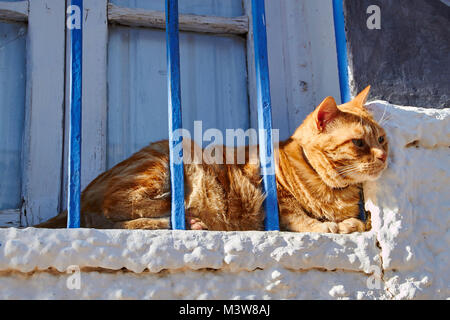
<point x="344" y="84"/>
<point x="76" y="53"/>
<point x="341" y="48"/>
<point x="264" y="115"/>
<point x="175" y="120"/>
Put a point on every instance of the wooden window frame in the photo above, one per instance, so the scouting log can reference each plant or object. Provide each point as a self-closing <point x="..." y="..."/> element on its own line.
<point x="97" y="17"/>
<point x="43" y="128"/>
<point x="44" y="187"/>
<point x="45" y="141"/>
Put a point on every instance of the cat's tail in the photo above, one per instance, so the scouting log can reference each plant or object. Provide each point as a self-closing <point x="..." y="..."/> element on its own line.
<point x="60" y="221"/>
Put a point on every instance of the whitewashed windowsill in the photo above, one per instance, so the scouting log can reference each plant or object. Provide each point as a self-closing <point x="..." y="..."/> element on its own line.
<point x="31" y="249"/>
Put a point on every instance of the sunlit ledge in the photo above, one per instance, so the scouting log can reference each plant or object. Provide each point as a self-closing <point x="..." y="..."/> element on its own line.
<point x="31" y="249"/>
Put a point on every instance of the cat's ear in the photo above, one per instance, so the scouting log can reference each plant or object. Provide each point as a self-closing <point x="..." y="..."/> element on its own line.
<point x="361" y="98"/>
<point x="325" y="112"/>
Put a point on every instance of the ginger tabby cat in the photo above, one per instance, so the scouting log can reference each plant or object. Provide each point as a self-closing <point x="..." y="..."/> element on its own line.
<point x="319" y="174"/>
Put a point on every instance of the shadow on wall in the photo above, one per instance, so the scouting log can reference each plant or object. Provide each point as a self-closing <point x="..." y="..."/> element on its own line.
<point x="406" y="60"/>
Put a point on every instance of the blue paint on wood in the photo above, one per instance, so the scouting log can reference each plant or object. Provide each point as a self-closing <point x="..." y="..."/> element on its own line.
<point x="341" y="48"/>
<point x="264" y="115"/>
<point x="12" y="111"/>
<point x="175" y="120"/>
<point x="76" y="54"/>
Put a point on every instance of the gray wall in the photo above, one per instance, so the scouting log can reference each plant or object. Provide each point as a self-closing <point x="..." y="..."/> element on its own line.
<point x="407" y="61"/>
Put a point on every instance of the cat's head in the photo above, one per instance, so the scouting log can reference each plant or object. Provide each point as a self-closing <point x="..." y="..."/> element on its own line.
<point x="344" y="144"/>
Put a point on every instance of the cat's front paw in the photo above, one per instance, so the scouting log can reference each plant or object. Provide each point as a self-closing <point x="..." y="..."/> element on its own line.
<point x="197" y="224"/>
<point x="326" y="227"/>
<point x="351" y="225"/>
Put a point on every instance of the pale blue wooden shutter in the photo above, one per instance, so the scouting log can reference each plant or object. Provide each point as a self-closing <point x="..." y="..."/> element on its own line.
<point x="213" y="79"/>
<point x="12" y="108"/>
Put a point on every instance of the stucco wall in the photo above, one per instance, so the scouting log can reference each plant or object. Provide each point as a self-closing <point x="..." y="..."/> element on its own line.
<point x="404" y="256"/>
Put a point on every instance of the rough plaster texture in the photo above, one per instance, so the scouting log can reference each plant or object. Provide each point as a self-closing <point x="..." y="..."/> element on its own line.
<point x="404" y="256"/>
<point x="410" y="204"/>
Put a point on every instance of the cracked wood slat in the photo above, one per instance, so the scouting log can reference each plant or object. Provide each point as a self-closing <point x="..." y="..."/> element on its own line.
<point x="9" y="218"/>
<point x="187" y="22"/>
<point x="14" y="11"/>
<point x="302" y="62"/>
<point x="94" y="117"/>
<point x="43" y="135"/>
<point x="94" y="99"/>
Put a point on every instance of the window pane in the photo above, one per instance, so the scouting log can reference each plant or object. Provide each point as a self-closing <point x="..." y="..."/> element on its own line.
<point x="12" y="105"/>
<point x="213" y="86"/>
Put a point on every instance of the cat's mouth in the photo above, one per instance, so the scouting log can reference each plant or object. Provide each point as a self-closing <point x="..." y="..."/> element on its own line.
<point x="363" y="172"/>
<point x="372" y="176"/>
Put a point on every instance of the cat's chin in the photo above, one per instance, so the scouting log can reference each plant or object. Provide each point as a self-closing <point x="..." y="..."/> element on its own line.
<point x="363" y="177"/>
<point x="374" y="176"/>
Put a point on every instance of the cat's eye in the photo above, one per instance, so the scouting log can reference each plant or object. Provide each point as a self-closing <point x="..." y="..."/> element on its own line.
<point x="381" y="140"/>
<point x="358" y="142"/>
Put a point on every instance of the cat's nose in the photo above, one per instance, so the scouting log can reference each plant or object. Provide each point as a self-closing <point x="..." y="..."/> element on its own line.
<point x="383" y="157"/>
<point x="380" y="154"/>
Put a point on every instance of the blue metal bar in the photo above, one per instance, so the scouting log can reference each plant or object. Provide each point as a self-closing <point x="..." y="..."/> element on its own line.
<point x="362" y="211"/>
<point x="341" y="48"/>
<point x="175" y="120"/>
<point x="76" y="53"/>
<point x="265" y="115"/>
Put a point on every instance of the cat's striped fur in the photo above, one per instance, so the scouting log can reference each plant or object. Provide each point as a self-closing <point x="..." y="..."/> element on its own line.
<point x="319" y="174"/>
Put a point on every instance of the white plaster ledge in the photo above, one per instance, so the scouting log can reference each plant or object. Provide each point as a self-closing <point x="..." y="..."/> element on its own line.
<point x="31" y="249"/>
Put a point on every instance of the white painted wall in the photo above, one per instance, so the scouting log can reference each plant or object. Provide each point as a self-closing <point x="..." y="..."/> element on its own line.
<point x="410" y="204"/>
<point x="404" y="256"/>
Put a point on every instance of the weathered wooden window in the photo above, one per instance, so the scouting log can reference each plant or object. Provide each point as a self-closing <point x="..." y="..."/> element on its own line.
<point x="31" y="104"/>
<point x="144" y="18"/>
<point x="124" y="52"/>
<point x="202" y="24"/>
<point x="213" y="71"/>
<point x="12" y="115"/>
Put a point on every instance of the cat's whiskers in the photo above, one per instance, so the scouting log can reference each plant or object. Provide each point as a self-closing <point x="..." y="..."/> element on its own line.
<point x="346" y="167"/>
<point x="382" y="116"/>
<point x="344" y="170"/>
<point x="385" y="120"/>
<point x="370" y="168"/>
